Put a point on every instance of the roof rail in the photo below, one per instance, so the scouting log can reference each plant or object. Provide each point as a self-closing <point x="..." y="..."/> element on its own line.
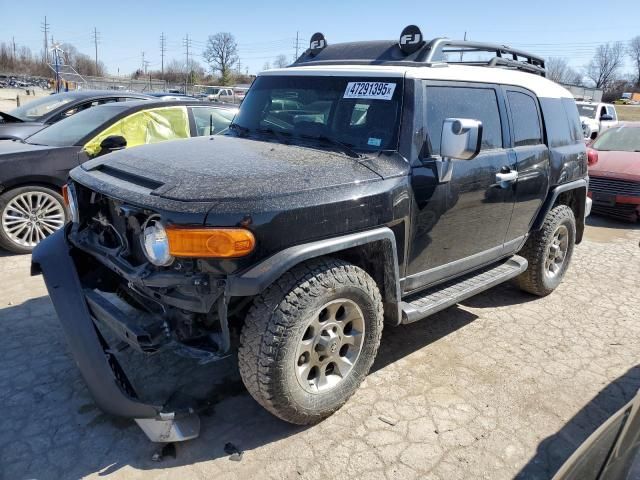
<point x="439" y="50"/>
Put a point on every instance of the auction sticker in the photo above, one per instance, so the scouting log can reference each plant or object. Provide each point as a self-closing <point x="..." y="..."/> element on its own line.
<point x="370" y="90"/>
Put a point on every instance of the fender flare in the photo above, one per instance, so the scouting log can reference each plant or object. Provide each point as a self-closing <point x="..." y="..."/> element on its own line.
<point x="553" y="196"/>
<point x="259" y="277"/>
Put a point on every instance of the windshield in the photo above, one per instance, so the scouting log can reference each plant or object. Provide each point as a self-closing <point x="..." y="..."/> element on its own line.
<point x="588" y="111"/>
<point x="211" y="90"/>
<point x="72" y="130"/>
<point x="621" y="139"/>
<point x="36" y="109"/>
<point x="361" y="113"/>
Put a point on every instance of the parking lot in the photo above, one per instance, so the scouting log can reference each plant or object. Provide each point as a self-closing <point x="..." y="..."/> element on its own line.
<point x="503" y="385"/>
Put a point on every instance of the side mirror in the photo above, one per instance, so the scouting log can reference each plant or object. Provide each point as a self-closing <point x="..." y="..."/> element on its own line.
<point x="461" y="138"/>
<point x="606" y="118"/>
<point x="112" y="143"/>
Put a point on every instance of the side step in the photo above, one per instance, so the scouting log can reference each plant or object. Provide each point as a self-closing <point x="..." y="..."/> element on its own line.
<point x="422" y="304"/>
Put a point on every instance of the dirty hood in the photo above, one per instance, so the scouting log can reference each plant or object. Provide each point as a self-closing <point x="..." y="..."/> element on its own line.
<point x="221" y="168"/>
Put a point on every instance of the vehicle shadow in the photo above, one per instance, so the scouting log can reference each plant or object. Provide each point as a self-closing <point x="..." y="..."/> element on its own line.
<point x="596" y="220"/>
<point x="554" y="450"/>
<point x="52" y="413"/>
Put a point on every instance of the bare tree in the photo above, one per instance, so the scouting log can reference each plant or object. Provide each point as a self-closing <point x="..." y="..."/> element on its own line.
<point x="266" y="66"/>
<point x="222" y="54"/>
<point x="604" y="65"/>
<point x="558" y="70"/>
<point x="634" y="53"/>
<point x="280" y="61"/>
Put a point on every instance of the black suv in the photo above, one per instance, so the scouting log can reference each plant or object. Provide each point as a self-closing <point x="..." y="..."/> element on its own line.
<point x="369" y="183"/>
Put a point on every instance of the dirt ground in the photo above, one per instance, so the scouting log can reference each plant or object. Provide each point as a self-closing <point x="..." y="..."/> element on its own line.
<point x="503" y="385"/>
<point x="8" y="100"/>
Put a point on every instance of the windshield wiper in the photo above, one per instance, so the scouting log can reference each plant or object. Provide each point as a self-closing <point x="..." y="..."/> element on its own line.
<point x="239" y="128"/>
<point x="284" y="137"/>
<point x="347" y="148"/>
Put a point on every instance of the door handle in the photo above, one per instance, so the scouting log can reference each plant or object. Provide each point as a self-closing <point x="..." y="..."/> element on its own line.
<point x="506" y="178"/>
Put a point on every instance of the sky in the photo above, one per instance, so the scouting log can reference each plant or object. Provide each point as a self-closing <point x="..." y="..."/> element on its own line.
<point x="263" y="30"/>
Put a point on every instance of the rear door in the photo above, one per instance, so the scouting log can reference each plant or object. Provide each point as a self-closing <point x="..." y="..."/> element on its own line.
<point x="532" y="162"/>
<point x="460" y="224"/>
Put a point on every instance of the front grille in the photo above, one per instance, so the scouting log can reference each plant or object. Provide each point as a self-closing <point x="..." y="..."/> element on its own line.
<point x="614" y="186"/>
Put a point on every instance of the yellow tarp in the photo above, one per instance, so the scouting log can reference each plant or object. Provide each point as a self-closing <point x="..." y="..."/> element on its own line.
<point x="149" y="126"/>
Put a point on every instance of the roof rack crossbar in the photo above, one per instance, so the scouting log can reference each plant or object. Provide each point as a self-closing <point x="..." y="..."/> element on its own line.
<point x="438" y="48"/>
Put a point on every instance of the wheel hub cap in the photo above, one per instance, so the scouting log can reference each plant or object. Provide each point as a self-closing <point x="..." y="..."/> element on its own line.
<point x="31" y="216"/>
<point x="330" y="346"/>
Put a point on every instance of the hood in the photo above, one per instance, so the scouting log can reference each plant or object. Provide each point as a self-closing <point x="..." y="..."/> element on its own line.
<point x="221" y="168"/>
<point x="15" y="148"/>
<point x="22" y="130"/>
<point x="624" y="165"/>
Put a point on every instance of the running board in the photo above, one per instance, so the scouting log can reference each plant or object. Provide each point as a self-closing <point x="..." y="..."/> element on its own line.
<point x="422" y="304"/>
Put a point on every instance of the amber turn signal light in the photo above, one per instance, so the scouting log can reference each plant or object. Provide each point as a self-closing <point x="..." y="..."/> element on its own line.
<point x="65" y="194"/>
<point x="210" y="242"/>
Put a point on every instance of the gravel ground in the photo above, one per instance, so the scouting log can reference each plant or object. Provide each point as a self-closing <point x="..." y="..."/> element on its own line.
<point x="502" y="385"/>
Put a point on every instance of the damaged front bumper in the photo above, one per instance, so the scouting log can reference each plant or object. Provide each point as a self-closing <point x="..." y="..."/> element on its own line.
<point x="104" y="376"/>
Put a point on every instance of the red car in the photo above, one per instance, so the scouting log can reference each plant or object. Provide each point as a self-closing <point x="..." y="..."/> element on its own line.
<point x="614" y="172"/>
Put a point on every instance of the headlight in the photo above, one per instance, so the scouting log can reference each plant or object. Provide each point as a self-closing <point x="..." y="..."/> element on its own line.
<point x="155" y="243"/>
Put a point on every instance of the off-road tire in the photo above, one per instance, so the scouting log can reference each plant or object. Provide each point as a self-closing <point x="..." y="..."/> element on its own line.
<point x="5" y="241"/>
<point x="276" y="323"/>
<point x="534" y="280"/>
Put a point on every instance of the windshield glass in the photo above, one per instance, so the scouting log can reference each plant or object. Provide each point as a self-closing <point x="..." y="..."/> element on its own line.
<point x="72" y="130"/>
<point x="587" y="110"/>
<point x="211" y="90"/>
<point x="621" y="139"/>
<point x="362" y="113"/>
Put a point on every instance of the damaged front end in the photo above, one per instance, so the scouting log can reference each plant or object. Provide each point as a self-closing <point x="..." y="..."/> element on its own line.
<point x="93" y="268"/>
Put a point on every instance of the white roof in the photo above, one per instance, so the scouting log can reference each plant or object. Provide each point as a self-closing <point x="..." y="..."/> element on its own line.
<point x="541" y="86"/>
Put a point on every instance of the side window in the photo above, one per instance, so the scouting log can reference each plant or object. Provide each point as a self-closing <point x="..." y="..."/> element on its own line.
<point x="463" y="102"/>
<point x="573" y="117"/>
<point x="526" y="122"/>
<point x="556" y="123"/>
<point x="146" y="126"/>
<point x="612" y="111"/>
<point x="211" y="121"/>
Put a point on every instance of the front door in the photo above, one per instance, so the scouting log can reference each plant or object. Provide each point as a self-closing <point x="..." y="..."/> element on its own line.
<point x="462" y="223"/>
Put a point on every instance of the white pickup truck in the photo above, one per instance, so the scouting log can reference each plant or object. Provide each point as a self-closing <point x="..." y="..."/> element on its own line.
<point x="596" y="118"/>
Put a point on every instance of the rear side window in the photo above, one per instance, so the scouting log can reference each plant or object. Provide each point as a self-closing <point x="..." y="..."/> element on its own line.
<point x="463" y="102"/>
<point x="556" y="122"/>
<point x="571" y="110"/>
<point x="526" y="123"/>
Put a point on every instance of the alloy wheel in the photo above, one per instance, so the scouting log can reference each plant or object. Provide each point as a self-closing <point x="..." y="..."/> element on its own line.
<point x="330" y="346"/>
<point x="31" y="216"/>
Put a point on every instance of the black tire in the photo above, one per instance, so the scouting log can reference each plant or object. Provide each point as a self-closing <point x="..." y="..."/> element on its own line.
<point x="275" y="326"/>
<point x="6" y="241"/>
<point x="538" y="279"/>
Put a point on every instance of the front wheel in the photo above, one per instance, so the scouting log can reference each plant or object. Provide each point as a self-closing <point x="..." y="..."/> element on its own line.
<point x="549" y="252"/>
<point x="28" y="215"/>
<point x="310" y="339"/>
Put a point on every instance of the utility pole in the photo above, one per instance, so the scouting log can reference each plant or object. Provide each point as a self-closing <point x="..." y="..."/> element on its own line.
<point x="297" y="46"/>
<point x="44" y="27"/>
<point x="163" y="48"/>
<point x="187" y="44"/>
<point x="13" y="41"/>
<point x="143" y="62"/>
<point x="95" y="42"/>
<point x="239" y="66"/>
<point x="465" y="39"/>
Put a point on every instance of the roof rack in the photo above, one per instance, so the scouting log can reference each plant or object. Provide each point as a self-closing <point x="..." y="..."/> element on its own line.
<point x="440" y="49"/>
<point x="413" y="50"/>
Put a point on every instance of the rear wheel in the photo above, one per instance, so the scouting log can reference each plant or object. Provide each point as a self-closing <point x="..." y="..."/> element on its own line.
<point x="28" y="215"/>
<point x="310" y="339"/>
<point x="548" y="252"/>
